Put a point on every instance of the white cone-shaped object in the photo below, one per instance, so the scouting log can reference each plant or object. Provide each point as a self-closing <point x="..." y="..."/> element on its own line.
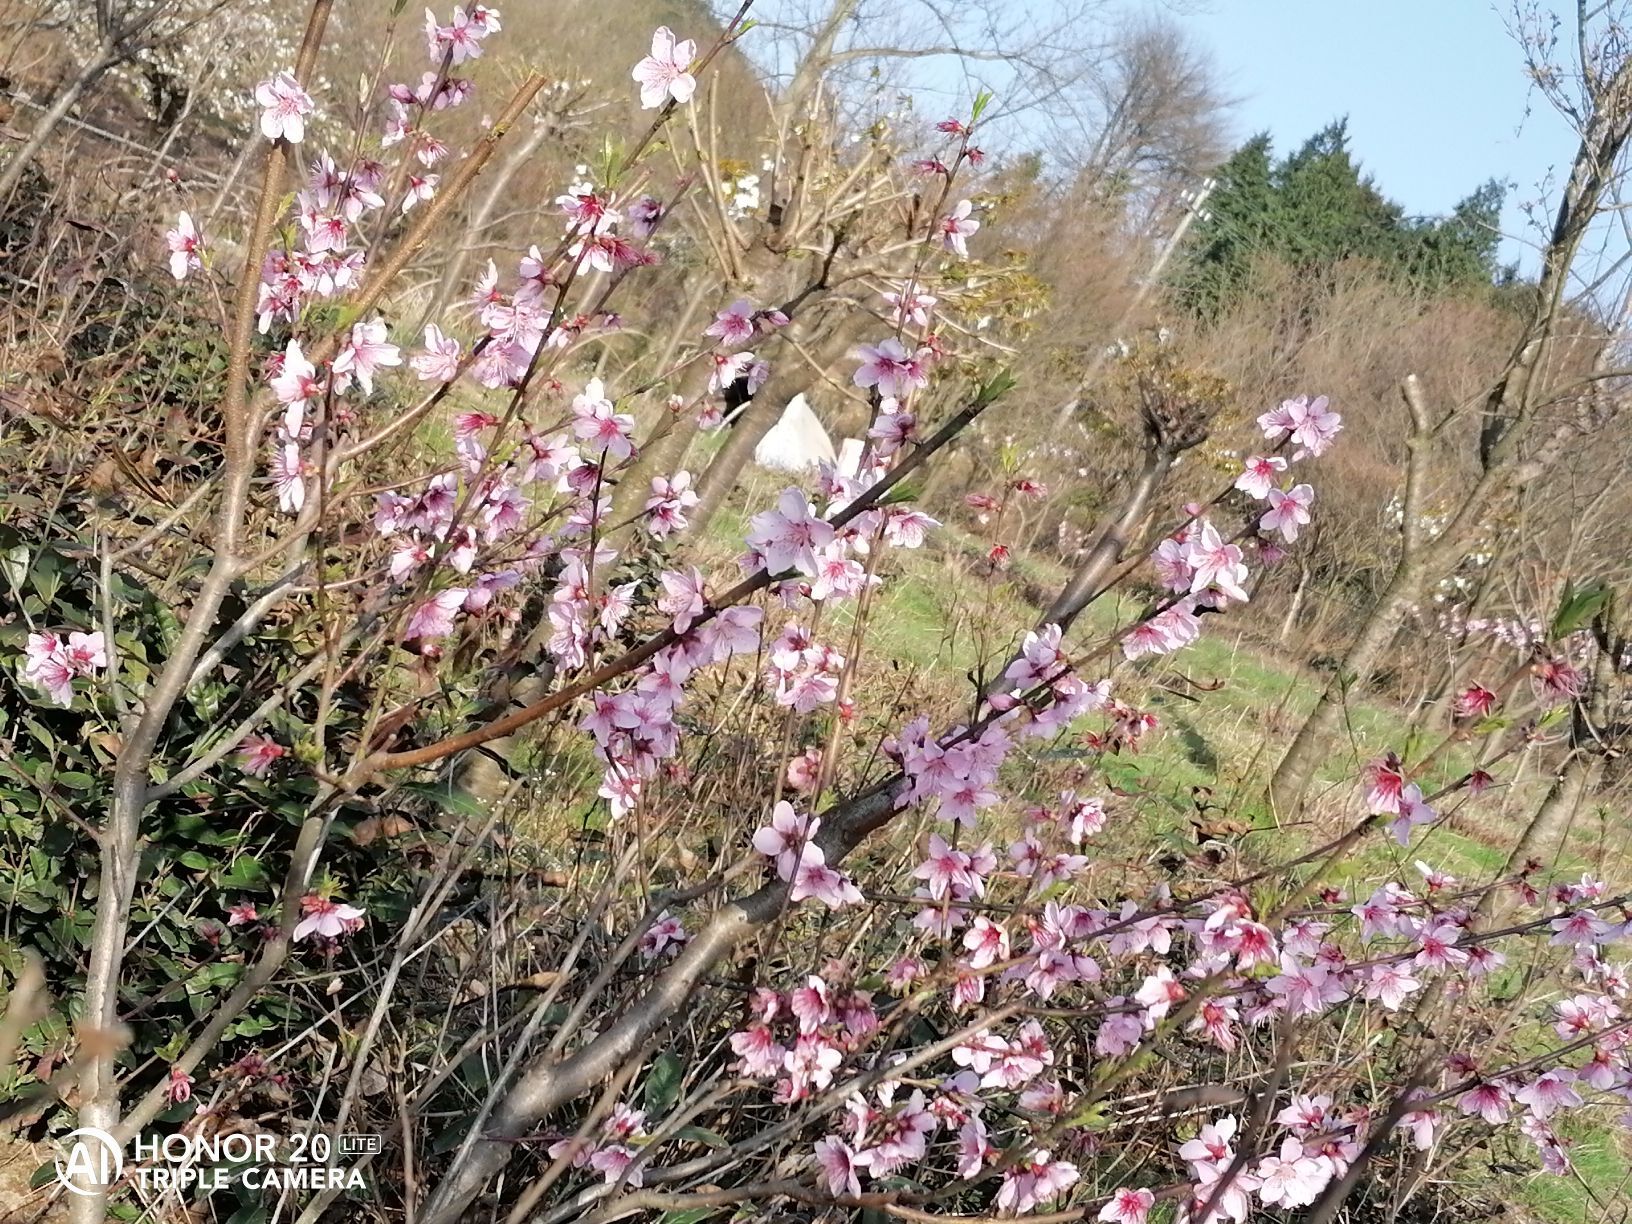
<point x="850" y="456"/>
<point x="796" y="443"/>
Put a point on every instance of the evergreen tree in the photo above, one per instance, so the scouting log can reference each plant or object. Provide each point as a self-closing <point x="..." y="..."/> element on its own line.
<point x="1315" y="209"/>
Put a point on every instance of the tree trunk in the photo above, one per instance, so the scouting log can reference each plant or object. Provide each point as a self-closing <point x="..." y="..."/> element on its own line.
<point x="1088" y="582"/>
<point x="1299" y="592"/>
<point x="48" y="123"/>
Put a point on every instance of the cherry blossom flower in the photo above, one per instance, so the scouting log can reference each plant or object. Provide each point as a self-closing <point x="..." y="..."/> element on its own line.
<point x="242" y="914"/>
<point x="178" y="1089"/>
<point x="597" y="422"/>
<point x="1260" y="474"/>
<point x="911" y="306"/>
<point x="838" y="1164"/>
<point x="1292" y="1179"/>
<point x="734" y="325"/>
<point x="257" y="754"/>
<point x="1215" y="565"/>
<point x="788" y="537"/>
<point x="814" y="878"/>
<point x="786" y="837"/>
<point x="295" y="384"/>
<point x="956" y="227"/>
<point x="1307" y="990"/>
<point x="434" y="617"/>
<point x="1033" y="1181"/>
<point x="1582" y="928"/>
<point x="326" y="918"/>
<point x="185" y="245"/>
<point x="1557" y="681"/>
<point x="1547" y="1094"/>
<point x="1391" y="984"/>
<point x="365" y="351"/>
<point x="1288" y="511"/>
<point x="1488" y="1099"/>
<point x="51" y="664"/>
<point x="1128" y="1206"/>
<point x="666" y="507"/>
<point x="889" y="367"/>
<point x="664" y="73"/>
<point x="285" y="106"/>
<point x="1475" y="701"/>
<point x="666" y="935"/>
<point x="1311" y="424"/>
<point x="757" y="1047"/>
<point x="420" y="188"/>
<point x="289" y="477"/>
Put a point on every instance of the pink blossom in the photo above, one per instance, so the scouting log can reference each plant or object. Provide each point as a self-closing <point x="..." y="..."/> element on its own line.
<point x="666" y="507"/>
<point x="814" y="878"/>
<point x="434" y="617"/>
<point x="838" y="1164"/>
<point x="1260" y="475"/>
<point x="179" y="1088"/>
<point x="1128" y="1206"/>
<point x="1489" y="1100"/>
<point x="365" y="351"/>
<point x="1288" y="511"/>
<point x="956" y="227"/>
<point x="987" y="942"/>
<point x="1215" y="564"/>
<point x="295" y="384"/>
<point x="1475" y="701"/>
<point x="761" y="1056"/>
<point x="667" y="934"/>
<point x="734" y="325"/>
<point x="789" y="536"/>
<point x="1547" y="1094"/>
<point x="421" y="187"/>
<point x="1292" y="1179"/>
<point x="257" y="754"/>
<point x="1033" y="1181"/>
<point x="1391" y="984"/>
<point x="46" y="665"/>
<point x="326" y="918"/>
<point x="664" y="73"/>
<point x="911" y="306"/>
<point x="285" y="106"/>
<point x="889" y="367"/>
<point x="1306" y="990"/>
<point x="786" y="837"/>
<point x="185" y="245"/>
<point x="289" y="477"/>
<point x="1311" y="424"/>
<point x="597" y="422"/>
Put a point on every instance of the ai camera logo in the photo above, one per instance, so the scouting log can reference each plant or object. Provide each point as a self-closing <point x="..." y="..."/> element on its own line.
<point x="90" y="1160"/>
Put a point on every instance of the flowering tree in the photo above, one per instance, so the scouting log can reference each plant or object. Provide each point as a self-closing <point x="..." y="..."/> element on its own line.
<point x="909" y="965"/>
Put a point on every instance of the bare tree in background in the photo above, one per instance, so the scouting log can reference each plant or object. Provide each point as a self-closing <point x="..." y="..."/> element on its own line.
<point x="1518" y="441"/>
<point x="104" y="34"/>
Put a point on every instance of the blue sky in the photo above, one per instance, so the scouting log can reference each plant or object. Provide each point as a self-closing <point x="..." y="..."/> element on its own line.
<point x="1434" y="90"/>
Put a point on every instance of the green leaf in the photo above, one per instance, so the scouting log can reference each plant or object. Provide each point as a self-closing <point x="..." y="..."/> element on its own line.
<point x="449" y="800"/>
<point x="997" y="386"/>
<point x="663" y="1084"/>
<point x="1578" y="606"/>
<point x="246" y="872"/>
<point x="982" y="100"/>
<point x="702" y="1135"/>
<point x="194" y="860"/>
<point x="691" y="1215"/>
